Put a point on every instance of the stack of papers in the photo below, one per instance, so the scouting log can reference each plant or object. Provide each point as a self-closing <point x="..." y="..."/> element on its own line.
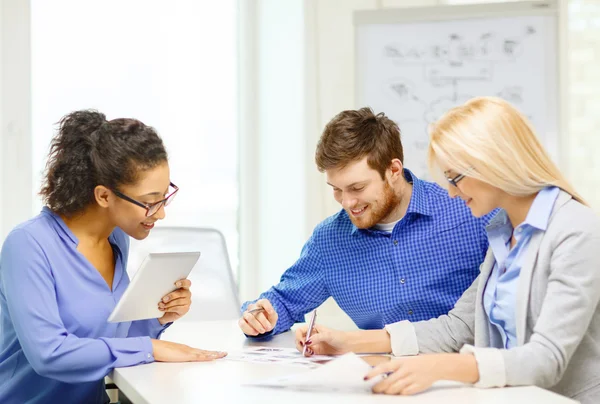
<point x="344" y="374"/>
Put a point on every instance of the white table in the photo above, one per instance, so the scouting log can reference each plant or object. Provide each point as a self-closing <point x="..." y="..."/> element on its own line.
<point x="221" y="381"/>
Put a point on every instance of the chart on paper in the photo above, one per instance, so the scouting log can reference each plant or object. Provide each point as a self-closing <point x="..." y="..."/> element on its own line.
<point x="285" y="356"/>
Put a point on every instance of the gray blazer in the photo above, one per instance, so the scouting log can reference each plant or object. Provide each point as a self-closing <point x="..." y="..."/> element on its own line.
<point x="557" y="312"/>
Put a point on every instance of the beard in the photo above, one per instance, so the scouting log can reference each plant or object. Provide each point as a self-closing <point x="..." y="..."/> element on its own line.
<point x="377" y="210"/>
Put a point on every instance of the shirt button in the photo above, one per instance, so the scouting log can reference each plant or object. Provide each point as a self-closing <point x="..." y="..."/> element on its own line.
<point x="402" y="280"/>
<point x="410" y="312"/>
<point x="395" y="242"/>
<point x="148" y="356"/>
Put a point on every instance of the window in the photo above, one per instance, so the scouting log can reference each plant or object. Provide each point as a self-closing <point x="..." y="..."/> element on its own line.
<point x="173" y="65"/>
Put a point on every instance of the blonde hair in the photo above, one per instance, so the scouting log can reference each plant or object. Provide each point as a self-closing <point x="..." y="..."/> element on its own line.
<point x="492" y="141"/>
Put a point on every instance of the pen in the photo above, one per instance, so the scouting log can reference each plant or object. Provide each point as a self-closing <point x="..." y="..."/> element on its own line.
<point x="256" y="310"/>
<point x="311" y="324"/>
<point x="383" y="375"/>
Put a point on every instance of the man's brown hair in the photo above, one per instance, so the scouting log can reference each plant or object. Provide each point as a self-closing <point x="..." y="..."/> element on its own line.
<point x="354" y="134"/>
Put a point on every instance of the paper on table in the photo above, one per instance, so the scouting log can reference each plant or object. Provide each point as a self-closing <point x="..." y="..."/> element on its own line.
<point x="288" y="356"/>
<point x="344" y="374"/>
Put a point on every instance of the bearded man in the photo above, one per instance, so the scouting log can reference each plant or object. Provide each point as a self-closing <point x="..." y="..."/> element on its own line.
<point x="399" y="249"/>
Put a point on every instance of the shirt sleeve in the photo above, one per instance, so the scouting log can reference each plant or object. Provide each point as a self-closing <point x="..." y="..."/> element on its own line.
<point x="301" y="289"/>
<point x="151" y="328"/>
<point x="51" y="350"/>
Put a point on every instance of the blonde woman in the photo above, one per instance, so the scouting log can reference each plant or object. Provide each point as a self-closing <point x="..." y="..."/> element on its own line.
<point x="532" y="316"/>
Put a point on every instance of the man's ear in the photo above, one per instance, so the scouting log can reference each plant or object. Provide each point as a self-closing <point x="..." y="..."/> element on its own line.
<point x="396" y="170"/>
<point x="103" y="195"/>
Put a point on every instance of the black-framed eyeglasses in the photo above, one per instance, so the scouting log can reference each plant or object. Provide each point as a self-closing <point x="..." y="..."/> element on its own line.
<point x="454" y="181"/>
<point x="151" y="208"/>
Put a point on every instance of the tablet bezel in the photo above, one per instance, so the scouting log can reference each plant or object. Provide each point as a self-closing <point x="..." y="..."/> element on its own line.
<point x="125" y="310"/>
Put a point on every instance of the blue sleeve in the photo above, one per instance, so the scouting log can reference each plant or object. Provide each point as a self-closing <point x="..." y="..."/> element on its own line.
<point x="51" y="350"/>
<point x="301" y="289"/>
<point x="151" y="328"/>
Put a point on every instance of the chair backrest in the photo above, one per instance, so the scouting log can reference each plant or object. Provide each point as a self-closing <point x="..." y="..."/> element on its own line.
<point x="214" y="291"/>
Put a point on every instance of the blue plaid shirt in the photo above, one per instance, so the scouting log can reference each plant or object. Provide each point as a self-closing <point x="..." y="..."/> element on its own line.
<point x="415" y="273"/>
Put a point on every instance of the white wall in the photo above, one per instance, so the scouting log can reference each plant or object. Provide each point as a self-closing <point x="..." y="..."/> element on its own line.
<point x="583" y="103"/>
<point x="15" y="114"/>
<point x="281" y="132"/>
<point x="273" y="165"/>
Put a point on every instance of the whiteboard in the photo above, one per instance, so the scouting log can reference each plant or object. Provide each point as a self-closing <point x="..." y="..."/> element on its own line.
<point x="415" y="64"/>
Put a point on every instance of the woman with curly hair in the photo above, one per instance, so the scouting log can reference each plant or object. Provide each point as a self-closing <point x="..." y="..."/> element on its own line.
<point x="63" y="272"/>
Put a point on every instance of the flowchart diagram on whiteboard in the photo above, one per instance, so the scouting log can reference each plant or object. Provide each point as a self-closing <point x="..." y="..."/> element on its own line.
<point x="416" y="71"/>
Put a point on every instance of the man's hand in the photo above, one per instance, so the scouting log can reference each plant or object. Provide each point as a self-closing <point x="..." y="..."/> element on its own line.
<point x="258" y="322"/>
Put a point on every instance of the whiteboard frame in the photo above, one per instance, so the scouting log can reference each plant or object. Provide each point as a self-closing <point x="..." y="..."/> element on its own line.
<point x="555" y="143"/>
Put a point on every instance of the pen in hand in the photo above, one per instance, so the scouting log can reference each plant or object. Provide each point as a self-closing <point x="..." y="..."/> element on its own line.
<point x="258" y="318"/>
<point x="311" y="325"/>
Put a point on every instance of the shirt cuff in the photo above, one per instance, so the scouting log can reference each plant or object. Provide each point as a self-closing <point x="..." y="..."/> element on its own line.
<point x="490" y="363"/>
<point x="147" y="350"/>
<point x="161" y="328"/>
<point x="258" y="337"/>
<point x="403" y="338"/>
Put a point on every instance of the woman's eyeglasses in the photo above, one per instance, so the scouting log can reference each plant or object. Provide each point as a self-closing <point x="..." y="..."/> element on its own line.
<point x="454" y="181"/>
<point x="151" y="208"/>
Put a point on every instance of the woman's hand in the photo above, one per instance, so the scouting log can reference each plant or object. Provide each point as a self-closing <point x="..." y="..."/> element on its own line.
<point x="411" y="375"/>
<point x="406" y="376"/>
<point x="165" y="351"/>
<point x="322" y="341"/>
<point x="177" y="303"/>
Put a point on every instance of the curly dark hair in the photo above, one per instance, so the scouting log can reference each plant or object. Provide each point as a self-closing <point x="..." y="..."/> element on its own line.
<point x="88" y="151"/>
<point x="353" y="134"/>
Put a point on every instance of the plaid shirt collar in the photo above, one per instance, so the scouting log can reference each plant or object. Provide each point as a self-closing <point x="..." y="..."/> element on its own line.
<point x="419" y="201"/>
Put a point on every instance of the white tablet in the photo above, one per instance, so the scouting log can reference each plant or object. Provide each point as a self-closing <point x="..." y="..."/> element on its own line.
<point x="155" y="278"/>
